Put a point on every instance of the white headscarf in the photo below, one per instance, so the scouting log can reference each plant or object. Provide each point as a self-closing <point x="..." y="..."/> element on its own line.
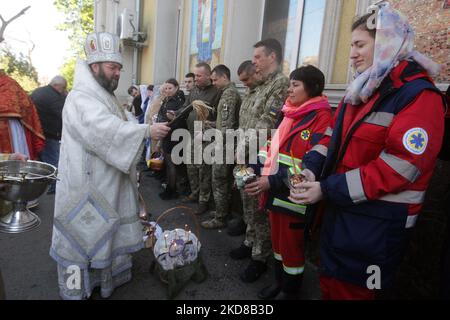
<point x="394" y="42"/>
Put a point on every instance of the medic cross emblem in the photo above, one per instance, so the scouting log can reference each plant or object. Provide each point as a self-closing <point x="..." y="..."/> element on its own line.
<point x="306" y="134"/>
<point x="416" y="140"/>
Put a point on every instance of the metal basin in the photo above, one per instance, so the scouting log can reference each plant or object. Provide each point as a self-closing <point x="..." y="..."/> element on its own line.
<point x="25" y="181"/>
<point x="22" y="182"/>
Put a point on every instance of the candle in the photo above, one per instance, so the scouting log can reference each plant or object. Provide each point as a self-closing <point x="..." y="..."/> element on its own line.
<point x="165" y="239"/>
<point x="189" y="233"/>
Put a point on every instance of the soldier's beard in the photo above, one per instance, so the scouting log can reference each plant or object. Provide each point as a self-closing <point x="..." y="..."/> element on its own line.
<point x="110" y="84"/>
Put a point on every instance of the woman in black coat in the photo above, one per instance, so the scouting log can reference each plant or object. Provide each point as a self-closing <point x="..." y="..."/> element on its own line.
<point x="173" y="102"/>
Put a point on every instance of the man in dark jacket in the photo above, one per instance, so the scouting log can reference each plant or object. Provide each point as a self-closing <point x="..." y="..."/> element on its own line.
<point x="200" y="175"/>
<point x="49" y="101"/>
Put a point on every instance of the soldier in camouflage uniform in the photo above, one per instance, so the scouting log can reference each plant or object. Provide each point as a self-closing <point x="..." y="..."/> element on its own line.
<point x="261" y="113"/>
<point x="227" y="118"/>
<point x="200" y="175"/>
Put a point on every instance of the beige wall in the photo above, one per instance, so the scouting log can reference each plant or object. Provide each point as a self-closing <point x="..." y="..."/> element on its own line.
<point x="147" y="56"/>
<point x="184" y="41"/>
<point x="341" y="62"/>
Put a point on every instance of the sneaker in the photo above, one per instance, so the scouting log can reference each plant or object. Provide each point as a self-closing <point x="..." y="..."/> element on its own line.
<point x="202" y="208"/>
<point x="213" y="224"/>
<point x="253" y="271"/>
<point x="241" y="253"/>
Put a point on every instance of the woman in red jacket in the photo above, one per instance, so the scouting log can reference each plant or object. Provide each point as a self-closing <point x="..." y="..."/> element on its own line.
<point x="306" y="116"/>
<point x="376" y="159"/>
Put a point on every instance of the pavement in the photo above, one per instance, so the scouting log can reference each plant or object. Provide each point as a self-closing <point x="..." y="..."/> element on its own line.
<point x="30" y="274"/>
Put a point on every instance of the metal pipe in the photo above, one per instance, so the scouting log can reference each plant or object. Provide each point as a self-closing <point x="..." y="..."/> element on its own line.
<point x="135" y="68"/>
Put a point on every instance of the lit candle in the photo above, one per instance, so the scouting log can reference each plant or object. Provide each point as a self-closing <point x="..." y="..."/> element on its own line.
<point x="189" y="234"/>
<point x="186" y="230"/>
<point x="165" y="239"/>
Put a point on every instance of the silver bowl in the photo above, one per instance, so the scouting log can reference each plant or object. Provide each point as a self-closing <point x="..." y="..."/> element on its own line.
<point x="22" y="182"/>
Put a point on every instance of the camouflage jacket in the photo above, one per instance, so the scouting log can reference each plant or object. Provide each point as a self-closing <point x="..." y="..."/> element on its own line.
<point x="228" y="109"/>
<point x="261" y="106"/>
<point x="245" y="112"/>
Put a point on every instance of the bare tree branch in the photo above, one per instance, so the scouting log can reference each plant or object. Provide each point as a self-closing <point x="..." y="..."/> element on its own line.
<point x="5" y="23"/>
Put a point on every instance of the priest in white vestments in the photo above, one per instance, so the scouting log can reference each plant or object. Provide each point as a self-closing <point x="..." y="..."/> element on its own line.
<point x="96" y="224"/>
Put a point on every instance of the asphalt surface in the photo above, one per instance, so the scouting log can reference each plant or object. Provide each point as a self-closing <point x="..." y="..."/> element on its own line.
<point x="30" y="274"/>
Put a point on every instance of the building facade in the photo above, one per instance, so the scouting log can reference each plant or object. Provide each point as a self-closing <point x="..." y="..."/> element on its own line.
<point x="166" y="38"/>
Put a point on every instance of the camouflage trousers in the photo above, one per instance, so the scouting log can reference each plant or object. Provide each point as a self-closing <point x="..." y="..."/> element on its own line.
<point x="222" y="180"/>
<point x="200" y="179"/>
<point x="257" y="235"/>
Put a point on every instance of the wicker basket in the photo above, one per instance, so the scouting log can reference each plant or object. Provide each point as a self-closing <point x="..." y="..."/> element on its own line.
<point x="190" y="211"/>
<point x="177" y="278"/>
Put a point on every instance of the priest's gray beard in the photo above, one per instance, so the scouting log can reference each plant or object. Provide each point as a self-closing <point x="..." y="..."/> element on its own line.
<point x="110" y="85"/>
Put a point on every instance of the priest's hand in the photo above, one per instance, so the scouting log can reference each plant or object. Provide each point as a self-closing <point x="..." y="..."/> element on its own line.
<point x="306" y="193"/>
<point x="159" y="131"/>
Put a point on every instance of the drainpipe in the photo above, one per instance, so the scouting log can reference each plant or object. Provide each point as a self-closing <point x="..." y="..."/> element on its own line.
<point x="113" y="23"/>
<point x="136" y="54"/>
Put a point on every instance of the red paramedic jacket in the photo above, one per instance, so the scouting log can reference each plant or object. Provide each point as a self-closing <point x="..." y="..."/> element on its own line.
<point x="374" y="164"/>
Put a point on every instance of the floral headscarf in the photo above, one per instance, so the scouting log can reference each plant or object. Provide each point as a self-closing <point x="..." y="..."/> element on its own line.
<point x="394" y="42"/>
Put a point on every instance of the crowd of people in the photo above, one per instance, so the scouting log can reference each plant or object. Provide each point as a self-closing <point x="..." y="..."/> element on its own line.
<point x="357" y="176"/>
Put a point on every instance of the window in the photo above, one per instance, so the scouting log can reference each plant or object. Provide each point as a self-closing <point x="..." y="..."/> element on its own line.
<point x="297" y="24"/>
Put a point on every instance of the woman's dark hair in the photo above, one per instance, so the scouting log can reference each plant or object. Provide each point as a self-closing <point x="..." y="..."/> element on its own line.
<point x="361" y="23"/>
<point x="130" y="89"/>
<point x="151" y="87"/>
<point x="312" y="78"/>
<point x="174" y="82"/>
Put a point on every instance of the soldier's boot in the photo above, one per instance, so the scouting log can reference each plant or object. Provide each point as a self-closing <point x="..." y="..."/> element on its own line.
<point x="190" y="199"/>
<point x="290" y="287"/>
<point x="253" y="271"/>
<point x="241" y="253"/>
<point x="214" y="223"/>
<point x="202" y="208"/>
<point x="237" y="227"/>
<point x="274" y="289"/>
